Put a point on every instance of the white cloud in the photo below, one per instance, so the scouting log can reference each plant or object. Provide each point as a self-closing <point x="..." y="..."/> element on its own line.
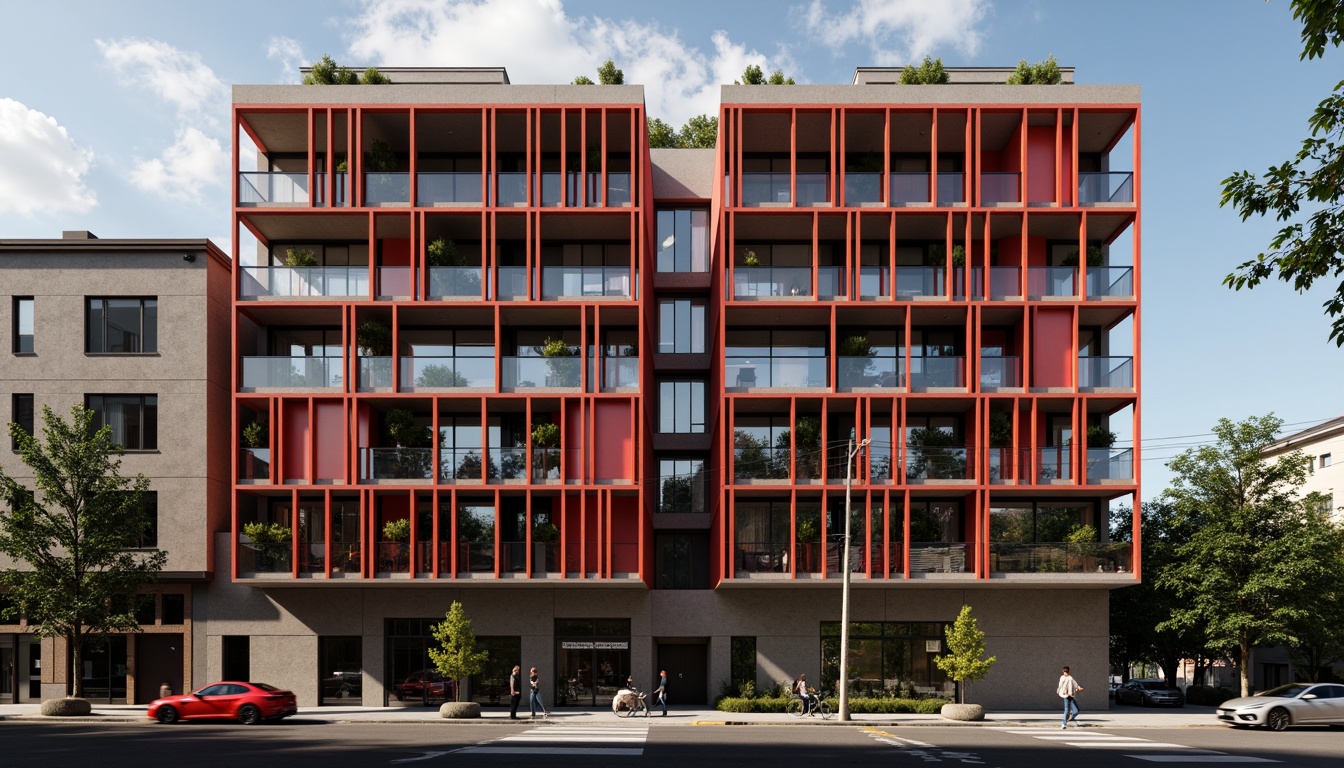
<point x="900" y="31"/>
<point x="539" y="43"/>
<point x="196" y="158"/>
<point x="44" y="168"/>
<point x="289" y="52"/>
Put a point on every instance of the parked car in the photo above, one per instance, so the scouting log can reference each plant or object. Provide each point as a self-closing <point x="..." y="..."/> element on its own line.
<point x="1114" y="686"/>
<point x="248" y="703"/>
<point x="1147" y="693"/>
<point x="1293" y="704"/>
<point x="347" y="682"/>
<point x="425" y="685"/>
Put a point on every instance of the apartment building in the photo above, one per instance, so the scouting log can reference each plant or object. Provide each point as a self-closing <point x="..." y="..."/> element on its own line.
<point x="137" y="331"/>
<point x="490" y="347"/>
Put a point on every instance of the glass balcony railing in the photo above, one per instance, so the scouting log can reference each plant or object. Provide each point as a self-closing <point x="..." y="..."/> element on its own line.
<point x="1060" y="557"/>
<point x="1105" y="373"/>
<point x="1053" y="463"/>
<point x="342" y="191"/>
<point x="380" y="188"/>
<point x="254" y="464"/>
<point x="513" y="282"/>
<point x="864" y="188"/>
<point x="270" y="557"/>
<point x="1110" y="282"/>
<point x="512" y="189"/>
<point x="939" y="556"/>
<point x="930" y="463"/>
<point x="762" y="557"/>
<point x="438" y="188"/>
<point x="1000" y="372"/>
<point x="292" y="372"/>
<point x="538" y="372"/>
<point x="1052" y="281"/>
<point x="396" y="463"/>
<point x="761" y="463"/>
<point x="767" y="282"/>
<point x="874" y="282"/>
<point x="394" y="281"/>
<point x="999" y="188"/>
<point x="375" y="373"/>
<point x="573" y="282"/>
<point x="1110" y="464"/>
<point x="305" y="281"/>
<point x="618" y="189"/>
<point x="447" y="372"/>
<point x="460" y="464"/>
<point x="1117" y="187"/>
<point x="459" y="282"/>
<point x="620" y="373"/>
<point x="551" y="189"/>
<point x="476" y="557"/>
<point x="813" y="188"/>
<point x="777" y="371"/>
<point x="859" y="372"/>
<point x="545" y="464"/>
<point x="393" y="557"/>
<point x="912" y="282"/>
<point x="929" y="372"/>
<point x="272" y="187"/>
<point x="1004" y="282"/>
<point x="951" y="187"/>
<point x="761" y="188"/>
<point x="907" y="188"/>
<point x="507" y="464"/>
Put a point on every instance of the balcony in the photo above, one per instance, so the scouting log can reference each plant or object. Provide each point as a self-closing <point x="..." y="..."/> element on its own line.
<point x="447" y="372"/>
<point x="618" y="190"/>
<point x="512" y="189"/>
<point x="387" y="188"/>
<point x="908" y="188"/>
<point x="1110" y="283"/>
<point x="393" y="282"/>
<point x="930" y="463"/>
<point x="455" y="282"/>
<point x="939" y="556"/>
<point x="764" y="282"/>
<point x="795" y="371"/>
<point x="868" y="372"/>
<point x="861" y="188"/>
<point x="460" y="464"/>
<point x="1000" y="372"/>
<point x="937" y="372"/>
<point x="447" y="189"/>
<point x="522" y="373"/>
<point x="754" y="462"/>
<point x="396" y="464"/>
<point x="545" y="465"/>
<point x="513" y="283"/>
<point x="1000" y="188"/>
<point x="1060" y="557"/>
<point x="393" y="557"/>
<point x="1105" y="373"/>
<point x="375" y="373"/>
<point x="291" y="373"/>
<point x="1110" y="464"/>
<point x="305" y="282"/>
<point x="1052" y="281"/>
<point x="550" y="189"/>
<point x="1106" y="188"/>
<point x="1053" y="464"/>
<point x="620" y="374"/>
<point x="254" y="465"/>
<point x="272" y="188"/>
<point x="585" y="282"/>
<point x="476" y="557"/>
<point x="775" y="188"/>
<point x="951" y="188"/>
<point x="762" y="557"/>
<point x="342" y="194"/>
<point x="1004" y="283"/>
<point x="269" y="557"/>
<point x="507" y="464"/>
<point x="915" y="282"/>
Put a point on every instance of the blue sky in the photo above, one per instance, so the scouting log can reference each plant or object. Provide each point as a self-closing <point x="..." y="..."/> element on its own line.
<point x="113" y="118"/>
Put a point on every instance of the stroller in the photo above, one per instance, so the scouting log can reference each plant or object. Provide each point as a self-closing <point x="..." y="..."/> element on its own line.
<point x="628" y="702"/>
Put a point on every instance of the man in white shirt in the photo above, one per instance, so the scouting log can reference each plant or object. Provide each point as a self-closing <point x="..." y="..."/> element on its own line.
<point x="1067" y="689"/>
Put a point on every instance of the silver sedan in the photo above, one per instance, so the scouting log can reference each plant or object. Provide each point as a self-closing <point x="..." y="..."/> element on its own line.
<point x="1294" y="704"/>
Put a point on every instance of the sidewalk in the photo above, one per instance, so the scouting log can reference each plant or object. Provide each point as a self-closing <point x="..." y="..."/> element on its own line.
<point x="1126" y="717"/>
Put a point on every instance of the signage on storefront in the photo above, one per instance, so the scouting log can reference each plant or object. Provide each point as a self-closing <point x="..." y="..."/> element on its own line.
<point x="584" y="645"/>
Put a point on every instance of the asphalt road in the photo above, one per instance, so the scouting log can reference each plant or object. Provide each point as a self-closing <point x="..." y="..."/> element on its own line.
<point x="632" y="745"/>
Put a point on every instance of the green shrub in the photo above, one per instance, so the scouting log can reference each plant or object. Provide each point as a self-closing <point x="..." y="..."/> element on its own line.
<point x="880" y="706"/>
<point x="397" y="530"/>
<point x="930" y="72"/>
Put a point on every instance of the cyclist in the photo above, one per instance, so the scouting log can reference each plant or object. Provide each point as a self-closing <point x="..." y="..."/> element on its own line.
<point x="800" y="690"/>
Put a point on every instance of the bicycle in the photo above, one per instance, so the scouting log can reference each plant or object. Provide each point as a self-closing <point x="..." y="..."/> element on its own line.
<point x="628" y="703"/>
<point x="816" y="706"/>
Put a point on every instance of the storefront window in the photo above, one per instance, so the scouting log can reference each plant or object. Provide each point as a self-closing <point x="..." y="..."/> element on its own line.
<point x="491" y="686"/>
<point x="593" y="660"/>
<point x="892" y="658"/>
<point x="341" y="661"/>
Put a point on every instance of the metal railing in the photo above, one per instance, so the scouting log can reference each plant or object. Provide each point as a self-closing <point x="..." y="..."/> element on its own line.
<point x="1053" y="463"/>
<point x="1112" y="187"/>
<point x="1052" y="281"/>
<point x="1060" y="557"/>
<point x="927" y="372"/>
<point x="476" y="557"/>
<point x="305" y="281"/>
<point x="295" y="372"/>
<point x="1110" y="282"/>
<point x="940" y="463"/>
<point x="455" y="281"/>
<point x="998" y="372"/>
<point x="536" y="372"/>
<point x="585" y="281"/>
<point x="1105" y="373"/>
<point x="383" y="187"/>
<point x="396" y="463"/>
<point x="393" y="557"/>
<point x="996" y="187"/>
<point x="271" y="187"/>
<point x="1110" y="464"/>
<point x="432" y="188"/>
<point x="446" y="372"/>
<point x="939" y="556"/>
<point x="856" y="372"/>
<point x="761" y="556"/>
<point x="778" y="371"/>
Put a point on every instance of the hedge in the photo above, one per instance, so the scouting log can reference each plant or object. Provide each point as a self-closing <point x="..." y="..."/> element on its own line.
<point x="882" y="706"/>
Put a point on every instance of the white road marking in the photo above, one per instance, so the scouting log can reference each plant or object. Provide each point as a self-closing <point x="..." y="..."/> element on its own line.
<point x="1184" y="753"/>
<point x="426" y="756"/>
<point x="627" y="751"/>
<point x="559" y="738"/>
<point x="1217" y="758"/>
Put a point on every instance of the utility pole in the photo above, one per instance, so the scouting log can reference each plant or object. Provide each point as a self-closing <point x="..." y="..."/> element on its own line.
<point x="844" y="589"/>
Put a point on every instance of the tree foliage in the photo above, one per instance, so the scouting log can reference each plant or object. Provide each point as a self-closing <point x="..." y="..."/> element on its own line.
<point x="754" y="75"/>
<point x="965" y="660"/>
<point x="75" y="534"/>
<point x="662" y="135"/>
<point x="583" y="80"/>
<point x="1308" y="249"/>
<point x="325" y="71"/>
<point x="1041" y="73"/>
<point x="456" y="656"/>
<point x="1250" y="571"/>
<point x="608" y="74"/>
<point x="700" y="132"/>
<point x="930" y="72"/>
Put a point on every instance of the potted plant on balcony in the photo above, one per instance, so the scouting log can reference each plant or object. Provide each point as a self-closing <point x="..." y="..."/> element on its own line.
<point x="546" y="435"/>
<point x="396" y="536"/>
<point x="384" y="187"/>
<point x="1081" y="549"/>
<point x="1000" y="439"/>
<point x="374" y="339"/>
<point x="543" y="554"/>
<point x="271" y="541"/>
<point x="411" y="458"/>
<point x="749" y="258"/>
<point x="300" y="258"/>
<point x="561" y="365"/>
<point x="809" y="536"/>
<point x="257" y="451"/>
<point x="855" y="360"/>
<point x="1095" y="257"/>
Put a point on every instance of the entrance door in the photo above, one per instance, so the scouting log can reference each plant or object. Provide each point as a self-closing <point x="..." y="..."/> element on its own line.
<point x="158" y="661"/>
<point x="7" y="675"/>
<point x="687" y="665"/>
<point x="34" y="669"/>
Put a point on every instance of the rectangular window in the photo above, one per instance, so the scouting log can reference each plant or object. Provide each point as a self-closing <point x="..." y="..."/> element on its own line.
<point x="743" y="668"/>
<point x="144" y="610"/>
<point x="1325" y="460"/>
<point x="149" y="539"/>
<point x="683" y="240"/>
<point x="340" y="662"/>
<point x="236" y="657"/>
<point x="21" y="413"/>
<point x="681" y="561"/>
<point x="23" y="325"/>
<point x="134" y="419"/>
<point x="122" y="326"/>
<point x="681" y="407"/>
<point x="174" y="609"/>
<point x="681" y="327"/>
<point x="681" y="485"/>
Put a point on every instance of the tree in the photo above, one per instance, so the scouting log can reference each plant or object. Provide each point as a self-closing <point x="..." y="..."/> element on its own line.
<point x="456" y="656"/>
<point x="1041" y="73"/>
<point x="754" y="75"/>
<point x="583" y="80"/>
<point x="1319" y="633"/>
<point x="700" y="132"/>
<point x="964" y="662"/>
<point x="1250" y="570"/>
<point x="662" y="135"/>
<point x="930" y="72"/>
<point x="608" y="74"/>
<point x="325" y="71"/>
<point x="77" y="532"/>
<point x="777" y="78"/>
<point x="1303" y="251"/>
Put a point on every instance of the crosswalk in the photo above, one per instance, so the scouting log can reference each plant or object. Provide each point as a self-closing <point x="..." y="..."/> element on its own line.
<point x="568" y="740"/>
<point x="1135" y="747"/>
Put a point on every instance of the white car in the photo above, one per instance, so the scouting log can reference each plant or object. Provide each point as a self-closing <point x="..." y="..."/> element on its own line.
<point x="1293" y="704"/>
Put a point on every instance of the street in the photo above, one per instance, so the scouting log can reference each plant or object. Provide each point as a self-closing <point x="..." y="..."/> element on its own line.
<point x="611" y="743"/>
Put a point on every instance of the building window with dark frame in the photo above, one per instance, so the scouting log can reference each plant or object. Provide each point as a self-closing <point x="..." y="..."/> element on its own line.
<point x="23" y="325"/>
<point x="134" y="419"/>
<point x="681" y="560"/>
<point x="21" y="413"/>
<point x="149" y="538"/>
<point x="681" y="326"/>
<point x="743" y="666"/>
<point x="681" y="407"/>
<point x="121" y="326"/>
<point x="683" y="240"/>
<point x="681" y="485"/>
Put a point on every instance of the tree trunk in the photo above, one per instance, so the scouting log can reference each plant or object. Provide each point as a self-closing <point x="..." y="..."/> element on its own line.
<point x="1245" y="664"/>
<point x="1169" y="667"/>
<point x="75" y="685"/>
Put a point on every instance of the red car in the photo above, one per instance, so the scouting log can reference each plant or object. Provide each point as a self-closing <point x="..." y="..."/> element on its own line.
<point x="248" y="703"/>
<point x="425" y="685"/>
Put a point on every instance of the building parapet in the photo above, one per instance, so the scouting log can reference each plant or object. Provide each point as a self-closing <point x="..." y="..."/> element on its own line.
<point x="438" y="94"/>
<point x="922" y="95"/>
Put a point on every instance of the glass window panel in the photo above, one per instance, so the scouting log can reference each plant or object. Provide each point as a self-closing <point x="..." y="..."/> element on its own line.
<point x="96" y="321"/>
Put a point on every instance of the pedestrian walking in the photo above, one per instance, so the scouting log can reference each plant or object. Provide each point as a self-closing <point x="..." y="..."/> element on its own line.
<point x="1067" y="690"/>
<point x="661" y="691"/>
<point x="515" y="691"/>
<point x="535" y="701"/>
